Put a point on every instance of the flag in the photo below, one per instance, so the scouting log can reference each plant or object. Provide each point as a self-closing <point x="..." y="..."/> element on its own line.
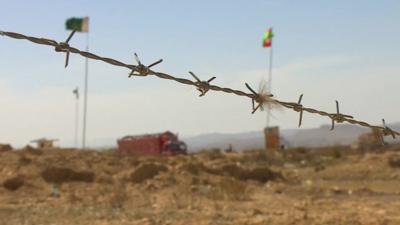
<point x="78" y="24"/>
<point x="267" y="40"/>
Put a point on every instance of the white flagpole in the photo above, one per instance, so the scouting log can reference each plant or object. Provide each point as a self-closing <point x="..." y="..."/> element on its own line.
<point x="85" y="94"/>
<point x="76" y="92"/>
<point x="269" y="86"/>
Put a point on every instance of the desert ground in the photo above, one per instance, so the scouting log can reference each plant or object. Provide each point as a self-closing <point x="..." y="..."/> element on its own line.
<point x="298" y="186"/>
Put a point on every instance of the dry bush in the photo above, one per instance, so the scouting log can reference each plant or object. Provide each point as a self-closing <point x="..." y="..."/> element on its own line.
<point x="193" y="168"/>
<point x="231" y="170"/>
<point x="146" y="171"/>
<point x="31" y="150"/>
<point x="113" y="162"/>
<point x="213" y="154"/>
<point x="305" y="157"/>
<point x="104" y="179"/>
<point x="73" y="198"/>
<point x="14" y="183"/>
<point x="60" y="175"/>
<point x="230" y="189"/>
<point x="337" y="153"/>
<point x="134" y="161"/>
<point x="319" y="167"/>
<point x="5" y="147"/>
<point x="119" y="196"/>
<point x="394" y="161"/>
<point x="298" y="154"/>
<point x="299" y="150"/>
<point x="261" y="174"/>
<point x="262" y="158"/>
<point x="23" y="160"/>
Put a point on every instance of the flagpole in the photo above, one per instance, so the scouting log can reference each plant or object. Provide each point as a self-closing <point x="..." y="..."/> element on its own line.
<point x="85" y="94"/>
<point x="76" y="116"/>
<point x="269" y="86"/>
<point x="269" y="83"/>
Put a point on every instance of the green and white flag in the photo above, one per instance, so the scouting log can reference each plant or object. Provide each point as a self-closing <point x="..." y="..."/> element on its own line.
<point x="78" y="24"/>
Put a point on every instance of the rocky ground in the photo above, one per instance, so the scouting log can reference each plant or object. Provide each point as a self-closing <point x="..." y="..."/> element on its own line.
<point x="325" y="186"/>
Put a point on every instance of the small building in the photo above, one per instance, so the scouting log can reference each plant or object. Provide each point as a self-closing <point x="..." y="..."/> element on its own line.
<point x="44" y="143"/>
<point x="272" y="139"/>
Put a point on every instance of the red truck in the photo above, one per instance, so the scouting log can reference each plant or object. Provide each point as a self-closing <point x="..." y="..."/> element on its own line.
<point x="165" y="143"/>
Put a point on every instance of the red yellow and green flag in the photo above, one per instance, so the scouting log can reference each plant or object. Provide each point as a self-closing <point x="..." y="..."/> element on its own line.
<point x="267" y="40"/>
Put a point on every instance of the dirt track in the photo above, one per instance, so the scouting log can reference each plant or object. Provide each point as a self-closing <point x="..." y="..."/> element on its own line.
<point x="89" y="187"/>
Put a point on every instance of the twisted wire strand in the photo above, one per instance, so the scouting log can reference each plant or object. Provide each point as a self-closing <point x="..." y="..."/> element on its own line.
<point x="289" y="105"/>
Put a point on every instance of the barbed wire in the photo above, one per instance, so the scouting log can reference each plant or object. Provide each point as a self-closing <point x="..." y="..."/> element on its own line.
<point x="258" y="99"/>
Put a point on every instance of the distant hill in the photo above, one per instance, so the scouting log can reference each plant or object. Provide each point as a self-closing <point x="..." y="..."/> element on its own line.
<point x="343" y="134"/>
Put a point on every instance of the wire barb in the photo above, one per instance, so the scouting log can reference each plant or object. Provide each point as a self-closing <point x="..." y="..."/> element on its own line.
<point x="387" y="131"/>
<point x="202" y="86"/>
<point x="64" y="47"/>
<point x="258" y="98"/>
<point x="298" y="107"/>
<point x="338" y="117"/>
<point x="141" y="69"/>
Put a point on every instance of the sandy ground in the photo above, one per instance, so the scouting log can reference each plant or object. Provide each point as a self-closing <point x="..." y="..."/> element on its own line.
<point x="333" y="186"/>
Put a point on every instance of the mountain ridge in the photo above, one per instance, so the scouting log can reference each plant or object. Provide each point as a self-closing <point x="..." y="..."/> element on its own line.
<point x="343" y="134"/>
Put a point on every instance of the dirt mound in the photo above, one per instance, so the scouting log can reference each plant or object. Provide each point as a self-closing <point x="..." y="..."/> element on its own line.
<point x="14" y="183"/>
<point x="23" y="160"/>
<point x="5" y="147"/>
<point x="194" y="168"/>
<point x="230" y="189"/>
<point x="146" y="171"/>
<point x="394" y="161"/>
<point x="60" y="175"/>
<point x="48" y="186"/>
<point x="261" y="174"/>
<point x="31" y="150"/>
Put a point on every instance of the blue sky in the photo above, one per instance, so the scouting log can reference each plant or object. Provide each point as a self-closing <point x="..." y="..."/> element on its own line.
<point x="345" y="50"/>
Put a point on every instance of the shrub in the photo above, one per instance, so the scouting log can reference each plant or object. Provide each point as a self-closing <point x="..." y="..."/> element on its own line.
<point x="14" y="183"/>
<point x="192" y="168"/>
<point x="261" y="174"/>
<point x="5" y="147"/>
<point x="337" y="153"/>
<point x="214" y="154"/>
<point x="118" y="197"/>
<point x="394" y="161"/>
<point x="24" y="160"/>
<point x="146" y="171"/>
<point x="230" y="189"/>
<point x="60" y="175"/>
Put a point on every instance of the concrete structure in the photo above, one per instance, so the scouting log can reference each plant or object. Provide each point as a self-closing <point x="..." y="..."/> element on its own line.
<point x="271" y="135"/>
<point x="44" y="143"/>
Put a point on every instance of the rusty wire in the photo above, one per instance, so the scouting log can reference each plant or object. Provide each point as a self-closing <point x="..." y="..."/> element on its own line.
<point x="203" y="86"/>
